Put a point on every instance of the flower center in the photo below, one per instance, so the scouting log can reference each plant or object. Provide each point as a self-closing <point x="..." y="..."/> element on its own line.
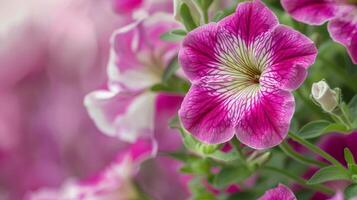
<point x="243" y="66"/>
<point x="256" y="79"/>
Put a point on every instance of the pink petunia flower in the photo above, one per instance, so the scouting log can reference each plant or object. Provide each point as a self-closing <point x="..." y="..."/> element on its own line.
<point x="341" y="14"/>
<point x="127" y="108"/>
<point x="243" y="70"/>
<point x="279" y="193"/>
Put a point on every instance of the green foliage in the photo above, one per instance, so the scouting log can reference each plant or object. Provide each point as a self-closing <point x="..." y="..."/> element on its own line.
<point x="231" y="174"/>
<point x="199" y="191"/>
<point x="187" y="18"/>
<point x="350" y="192"/>
<point x="317" y="128"/>
<point x="196" y="146"/>
<point x="173" y="35"/>
<point x="329" y="173"/>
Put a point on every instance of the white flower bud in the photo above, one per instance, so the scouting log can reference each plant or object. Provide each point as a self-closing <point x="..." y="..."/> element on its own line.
<point x="324" y="95"/>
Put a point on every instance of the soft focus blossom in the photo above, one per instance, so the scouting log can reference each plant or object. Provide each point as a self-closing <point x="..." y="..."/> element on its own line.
<point x="342" y="17"/>
<point x="52" y="53"/>
<point x="279" y="193"/>
<point x="324" y="95"/>
<point x="242" y="73"/>
<point x="115" y="182"/>
<point x="126" y="109"/>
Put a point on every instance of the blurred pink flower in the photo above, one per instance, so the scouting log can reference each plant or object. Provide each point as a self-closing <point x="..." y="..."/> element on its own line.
<point x="114" y="182"/>
<point x="50" y="57"/>
<point x="342" y="17"/>
<point x="279" y="193"/>
<point x="126" y="109"/>
<point x="243" y="70"/>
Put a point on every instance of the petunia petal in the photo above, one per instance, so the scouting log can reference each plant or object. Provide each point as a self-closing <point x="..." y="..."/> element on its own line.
<point x="197" y="54"/>
<point x="291" y="53"/>
<point x="343" y="29"/>
<point x="251" y="20"/>
<point x="206" y="116"/>
<point x="314" y="12"/>
<point x="265" y="121"/>
<point x="125" y="115"/>
<point x="279" y="193"/>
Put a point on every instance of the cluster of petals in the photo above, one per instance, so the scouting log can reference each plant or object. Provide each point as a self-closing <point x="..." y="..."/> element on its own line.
<point x="341" y="14"/>
<point x="243" y="70"/>
<point x="127" y="108"/>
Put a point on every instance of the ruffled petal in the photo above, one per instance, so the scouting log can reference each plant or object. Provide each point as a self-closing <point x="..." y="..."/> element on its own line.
<point x="313" y="12"/>
<point x="125" y="115"/>
<point x="138" y="53"/>
<point x="251" y="20"/>
<point x="343" y="29"/>
<point x="265" y="121"/>
<point x="206" y="116"/>
<point x="279" y="193"/>
<point x="291" y="53"/>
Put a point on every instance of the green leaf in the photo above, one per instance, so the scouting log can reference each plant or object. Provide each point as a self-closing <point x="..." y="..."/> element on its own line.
<point x="329" y="173"/>
<point x="173" y="35"/>
<point x="229" y="175"/>
<point x="187" y="18"/>
<point x="196" y="146"/>
<point x="350" y="192"/>
<point x="173" y="84"/>
<point x="197" y="167"/>
<point x="348" y="156"/>
<point x="352" y="105"/>
<point x="313" y="129"/>
<point x="335" y="127"/>
<point x="317" y="128"/>
<point x="199" y="191"/>
<point x="225" y="156"/>
<point x="170" y="70"/>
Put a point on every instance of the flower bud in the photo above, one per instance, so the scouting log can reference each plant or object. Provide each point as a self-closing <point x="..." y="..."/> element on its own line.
<point x="324" y="95"/>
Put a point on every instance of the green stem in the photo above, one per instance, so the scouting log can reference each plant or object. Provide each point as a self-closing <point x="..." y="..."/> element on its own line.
<point x="338" y="119"/>
<point x="205" y="16"/>
<point x="238" y="148"/>
<point x="316" y="150"/>
<point x="301" y="181"/>
<point x="346" y="115"/>
<point x="284" y="146"/>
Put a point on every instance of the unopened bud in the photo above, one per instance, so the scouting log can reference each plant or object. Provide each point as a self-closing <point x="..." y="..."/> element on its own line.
<point x="324" y="95"/>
